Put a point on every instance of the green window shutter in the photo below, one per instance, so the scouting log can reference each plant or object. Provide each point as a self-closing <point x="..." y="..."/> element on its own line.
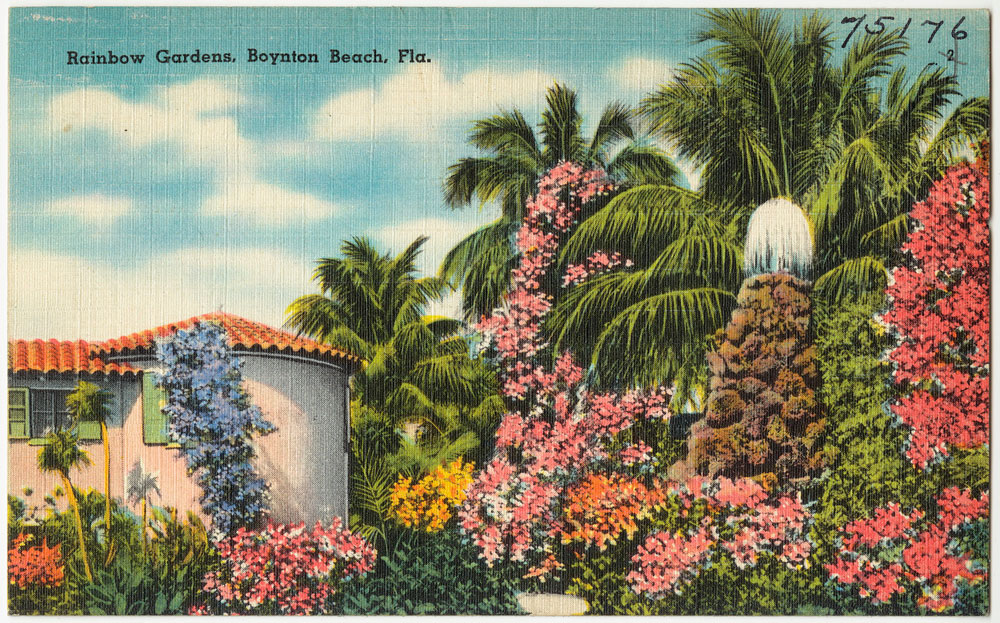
<point x="17" y="413"/>
<point x="89" y="430"/>
<point x="154" y="421"/>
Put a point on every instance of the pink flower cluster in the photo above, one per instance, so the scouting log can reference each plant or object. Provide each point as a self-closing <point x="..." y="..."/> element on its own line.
<point x="513" y="510"/>
<point x="597" y="263"/>
<point x="941" y="311"/>
<point x="285" y="569"/>
<point x="513" y="329"/>
<point x="666" y="563"/>
<point x="742" y="522"/>
<point x="882" y="554"/>
<point x="636" y="454"/>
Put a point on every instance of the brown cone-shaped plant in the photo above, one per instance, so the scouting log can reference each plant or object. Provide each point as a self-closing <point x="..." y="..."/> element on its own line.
<point x="762" y="414"/>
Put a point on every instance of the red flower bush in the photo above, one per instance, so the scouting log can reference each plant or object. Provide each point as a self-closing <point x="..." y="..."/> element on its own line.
<point x="285" y="569"/>
<point x="940" y="310"/>
<point x="891" y="553"/>
<point x="34" y="566"/>
<point x="740" y="521"/>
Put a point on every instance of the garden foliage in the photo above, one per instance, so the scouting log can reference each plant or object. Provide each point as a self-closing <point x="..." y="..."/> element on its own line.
<point x="284" y="569"/>
<point x="212" y="417"/>
<point x="940" y="310"/>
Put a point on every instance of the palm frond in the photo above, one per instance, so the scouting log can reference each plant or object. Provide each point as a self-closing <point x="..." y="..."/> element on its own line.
<point x="637" y="223"/>
<point x="656" y="332"/>
<point x="643" y="164"/>
<point x="852" y="277"/>
<point x="614" y="125"/>
<point x="561" y="123"/>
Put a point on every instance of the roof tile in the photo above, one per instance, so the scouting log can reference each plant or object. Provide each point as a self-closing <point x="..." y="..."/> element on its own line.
<point x="59" y="356"/>
<point x="241" y="332"/>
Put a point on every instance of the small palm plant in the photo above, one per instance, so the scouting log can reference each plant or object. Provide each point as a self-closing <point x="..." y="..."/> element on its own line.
<point x="140" y="486"/>
<point x="60" y="454"/>
<point x="88" y="403"/>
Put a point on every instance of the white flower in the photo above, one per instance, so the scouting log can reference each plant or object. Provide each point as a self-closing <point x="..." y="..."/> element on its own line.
<point x="778" y="239"/>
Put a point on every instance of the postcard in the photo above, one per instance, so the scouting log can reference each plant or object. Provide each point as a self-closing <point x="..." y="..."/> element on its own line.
<point x="487" y="311"/>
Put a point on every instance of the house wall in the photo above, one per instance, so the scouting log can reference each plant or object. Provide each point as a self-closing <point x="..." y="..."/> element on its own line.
<point x="304" y="460"/>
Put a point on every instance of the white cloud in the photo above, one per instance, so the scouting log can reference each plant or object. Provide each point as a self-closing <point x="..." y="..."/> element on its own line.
<point x="196" y="118"/>
<point x="96" y="209"/>
<point x="266" y="203"/>
<point x="417" y="102"/>
<point x="64" y="297"/>
<point x="442" y="234"/>
<point x="641" y="74"/>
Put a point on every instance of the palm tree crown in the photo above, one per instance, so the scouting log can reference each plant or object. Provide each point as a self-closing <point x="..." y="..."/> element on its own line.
<point x="767" y="113"/>
<point x="516" y="159"/>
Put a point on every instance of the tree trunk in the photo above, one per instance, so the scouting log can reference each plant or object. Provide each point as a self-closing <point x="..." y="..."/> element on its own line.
<point x="144" y="526"/>
<point x="79" y="525"/>
<point x="107" y="481"/>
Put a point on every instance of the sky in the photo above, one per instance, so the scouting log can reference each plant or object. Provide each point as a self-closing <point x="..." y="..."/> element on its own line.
<point x="141" y="194"/>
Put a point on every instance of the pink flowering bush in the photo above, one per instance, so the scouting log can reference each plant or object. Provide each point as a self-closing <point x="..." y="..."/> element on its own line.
<point x="597" y="263"/>
<point x="940" y="309"/>
<point x="285" y="569"/>
<point x="899" y="553"/>
<point x="735" y="518"/>
<point x="561" y="430"/>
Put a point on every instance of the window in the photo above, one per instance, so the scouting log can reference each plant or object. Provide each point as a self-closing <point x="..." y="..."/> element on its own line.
<point x="34" y="413"/>
<point x="48" y="411"/>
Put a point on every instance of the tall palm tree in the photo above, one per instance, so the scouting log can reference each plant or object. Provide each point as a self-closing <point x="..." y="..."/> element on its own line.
<point x="88" y="403"/>
<point x="139" y="488"/>
<point x="766" y="113"/>
<point x="418" y="369"/>
<point x="481" y="263"/>
<point x="61" y="454"/>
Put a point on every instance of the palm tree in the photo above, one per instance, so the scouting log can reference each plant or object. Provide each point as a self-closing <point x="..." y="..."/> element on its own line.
<point x="418" y="368"/>
<point x="60" y="454"/>
<point x="372" y="304"/>
<point x="481" y="263"/>
<point x="648" y="324"/>
<point x="88" y="403"/>
<point x="766" y="114"/>
<point x="140" y="486"/>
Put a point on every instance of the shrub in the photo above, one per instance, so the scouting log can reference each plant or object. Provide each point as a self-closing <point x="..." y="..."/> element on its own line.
<point x="557" y="431"/>
<point x="284" y="569"/>
<point x="940" y="311"/>
<point x="895" y="552"/>
<point x="37" y="566"/>
<point x="212" y="417"/>
<point x="439" y="575"/>
<point x="428" y="504"/>
<point x="129" y="587"/>
<point x="761" y="415"/>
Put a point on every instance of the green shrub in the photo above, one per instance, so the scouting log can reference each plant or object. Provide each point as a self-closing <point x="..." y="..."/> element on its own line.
<point x="438" y="575"/>
<point x="130" y="586"/>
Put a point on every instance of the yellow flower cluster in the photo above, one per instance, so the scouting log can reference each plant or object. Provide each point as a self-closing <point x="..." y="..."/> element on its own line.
<point x="427" y="505"/>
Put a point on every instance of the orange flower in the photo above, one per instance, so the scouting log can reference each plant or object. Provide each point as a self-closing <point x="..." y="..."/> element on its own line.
<point x="427" y="505"/>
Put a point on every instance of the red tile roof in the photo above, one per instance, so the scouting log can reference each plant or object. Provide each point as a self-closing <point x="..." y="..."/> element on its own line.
<point x="242" y="332"/>
<point x="56" y="356"/>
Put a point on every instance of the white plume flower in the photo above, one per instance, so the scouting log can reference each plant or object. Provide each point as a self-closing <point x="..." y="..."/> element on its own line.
<point x="778" y="239"/>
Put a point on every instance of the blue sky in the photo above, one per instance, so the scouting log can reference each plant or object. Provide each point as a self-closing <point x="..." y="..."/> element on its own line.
<point x="143" y="194"/>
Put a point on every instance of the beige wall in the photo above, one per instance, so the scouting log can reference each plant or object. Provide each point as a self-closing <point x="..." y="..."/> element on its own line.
<point x="279" y="460"/>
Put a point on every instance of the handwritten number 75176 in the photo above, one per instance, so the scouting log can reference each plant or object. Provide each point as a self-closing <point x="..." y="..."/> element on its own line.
<point x="881" y="22"/>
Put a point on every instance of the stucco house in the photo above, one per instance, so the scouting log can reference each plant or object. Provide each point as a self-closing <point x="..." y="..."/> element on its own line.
<point x="300" y="385"/>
